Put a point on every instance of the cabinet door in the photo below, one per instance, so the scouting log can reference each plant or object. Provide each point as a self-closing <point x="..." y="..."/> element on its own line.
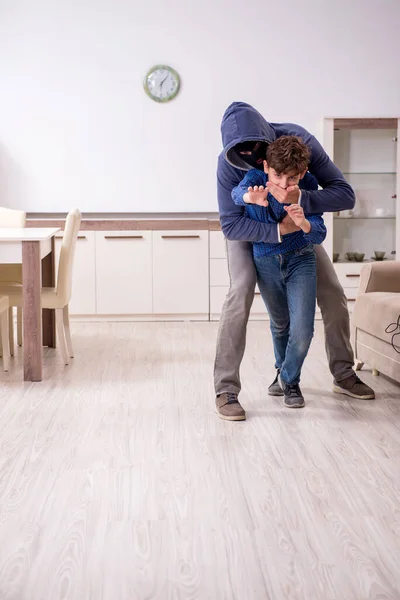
<point x="124" y="272"/>
<point x="83" y="299"/>
<point x="180" y="272"/>
<point x="217" y="244"/>
<point x="349" y="274"/>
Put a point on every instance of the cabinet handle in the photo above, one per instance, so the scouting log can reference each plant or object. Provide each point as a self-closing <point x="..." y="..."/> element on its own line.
<point x="80" y="237"/>
<point x="351" y="299"/>
<point x="352" y="274"/>
<point x="180" y="237"/>
<point x="123" y="237"/>
<point x="394" y="196"/>
<point x="257" y="293"/>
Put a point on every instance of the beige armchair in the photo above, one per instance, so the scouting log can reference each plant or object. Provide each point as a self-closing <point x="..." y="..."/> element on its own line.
<point x="376" y="319"/>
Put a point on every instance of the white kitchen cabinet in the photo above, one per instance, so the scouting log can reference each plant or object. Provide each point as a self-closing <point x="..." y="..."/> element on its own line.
<point x="83" y="299"/>
<point x="157" y="275"/>
<point x="181" y="273"/>
<point x="124" y="272"/>
<point x="348" y="274"/>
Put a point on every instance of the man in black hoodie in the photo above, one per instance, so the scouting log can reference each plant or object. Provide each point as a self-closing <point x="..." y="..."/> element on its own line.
<point x="245" y="136"/>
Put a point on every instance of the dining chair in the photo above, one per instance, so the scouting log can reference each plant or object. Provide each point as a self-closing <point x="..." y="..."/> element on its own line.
<point x="58" y="297"/>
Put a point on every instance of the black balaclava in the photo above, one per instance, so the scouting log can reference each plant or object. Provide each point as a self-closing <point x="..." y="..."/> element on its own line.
<point x="257" y="156"/>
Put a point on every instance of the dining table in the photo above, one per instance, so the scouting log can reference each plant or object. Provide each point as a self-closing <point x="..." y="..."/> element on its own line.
<point x="34" y="249"/>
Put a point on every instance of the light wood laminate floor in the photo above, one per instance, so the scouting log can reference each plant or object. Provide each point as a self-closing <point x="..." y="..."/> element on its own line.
<point x="118" y="481"/>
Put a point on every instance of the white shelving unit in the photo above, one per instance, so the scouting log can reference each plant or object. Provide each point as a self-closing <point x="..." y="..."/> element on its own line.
<point x="367" y="151"/>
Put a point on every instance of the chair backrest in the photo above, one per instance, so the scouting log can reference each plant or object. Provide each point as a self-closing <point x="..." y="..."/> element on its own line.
<point x="67" y="253"/>
<point x="12" y="218"/>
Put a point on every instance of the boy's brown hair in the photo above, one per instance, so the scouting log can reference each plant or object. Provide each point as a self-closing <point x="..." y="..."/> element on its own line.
<point x="288" y="154"/>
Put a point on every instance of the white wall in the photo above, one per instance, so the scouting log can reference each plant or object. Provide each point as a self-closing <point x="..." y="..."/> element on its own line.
<point x="76" y="127"/>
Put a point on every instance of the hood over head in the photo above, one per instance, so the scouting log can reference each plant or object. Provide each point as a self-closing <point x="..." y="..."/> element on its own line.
<point x="243" y="123"/>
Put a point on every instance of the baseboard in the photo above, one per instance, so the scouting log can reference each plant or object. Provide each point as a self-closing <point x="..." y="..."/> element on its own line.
<point x="257" y="317"/>
<point x="138" y="318"/>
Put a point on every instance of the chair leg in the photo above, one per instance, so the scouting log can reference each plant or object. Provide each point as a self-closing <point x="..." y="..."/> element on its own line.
<point x="5" y="338"/>
<point x="19" y="326"/>
<point x="67" y="331"/>
<point x="359" y="365"/>
<point x="61" y="335"/>
<point x="375" y="372"/>
<point x="11" y="329"/>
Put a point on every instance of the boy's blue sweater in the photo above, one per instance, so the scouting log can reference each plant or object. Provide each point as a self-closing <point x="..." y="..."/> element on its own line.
<point x="275" y="213"/>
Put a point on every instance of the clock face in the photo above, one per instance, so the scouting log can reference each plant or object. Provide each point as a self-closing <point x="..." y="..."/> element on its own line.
<point x="162" y="83"/>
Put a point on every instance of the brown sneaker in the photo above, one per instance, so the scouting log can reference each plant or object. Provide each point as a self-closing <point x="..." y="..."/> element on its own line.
<point x="228" y="407"/>
<point x="354" y="387"/>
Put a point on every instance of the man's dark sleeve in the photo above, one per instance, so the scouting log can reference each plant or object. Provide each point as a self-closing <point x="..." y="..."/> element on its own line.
<point x="235" y="225"/>
<point x="336" y="194"/>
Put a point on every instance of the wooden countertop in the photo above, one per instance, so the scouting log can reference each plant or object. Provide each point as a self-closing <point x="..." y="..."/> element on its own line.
<point x="132" y="224"/>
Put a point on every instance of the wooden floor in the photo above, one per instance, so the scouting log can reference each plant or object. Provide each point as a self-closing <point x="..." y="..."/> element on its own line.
<point x="118" y="481"/>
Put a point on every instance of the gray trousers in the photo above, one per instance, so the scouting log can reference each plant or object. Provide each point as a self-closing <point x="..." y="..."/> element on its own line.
<point x="231" y="339"/>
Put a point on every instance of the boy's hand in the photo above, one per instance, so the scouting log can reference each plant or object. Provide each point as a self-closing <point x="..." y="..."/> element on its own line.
<point x="287" y="226"/>
<point x="289" y="196"/>
<point x="256" y="195"/>
<point x="296" y="213"/>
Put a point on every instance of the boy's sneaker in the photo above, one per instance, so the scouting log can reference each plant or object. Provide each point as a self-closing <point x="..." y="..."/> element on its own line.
<point x="228" y="407"/>
<point x="293" y="396"/>
<point x="275" y="388"/>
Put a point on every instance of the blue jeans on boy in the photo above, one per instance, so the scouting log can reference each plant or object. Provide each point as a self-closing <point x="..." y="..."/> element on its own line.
<point x="288" y="286"/>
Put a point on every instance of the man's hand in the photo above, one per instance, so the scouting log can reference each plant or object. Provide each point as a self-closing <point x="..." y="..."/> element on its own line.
<point x="296" y="213"/>
<point x="256" y="195"/>
<point x="287" y="226"/>
<point x="289" y="196"/>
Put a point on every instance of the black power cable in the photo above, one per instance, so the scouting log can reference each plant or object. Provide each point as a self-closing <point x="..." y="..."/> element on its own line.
<point x="394" y="328"/>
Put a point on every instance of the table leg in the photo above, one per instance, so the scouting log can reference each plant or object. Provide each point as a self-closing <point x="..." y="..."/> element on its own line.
<point x="31" y="283"/>
<point x="48" y="315"/>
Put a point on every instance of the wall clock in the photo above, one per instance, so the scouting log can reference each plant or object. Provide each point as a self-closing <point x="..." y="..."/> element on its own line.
<point x="162" y="83"/>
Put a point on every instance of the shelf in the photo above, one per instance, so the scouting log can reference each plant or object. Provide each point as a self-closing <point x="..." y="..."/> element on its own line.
<point x="365" y="123"/>
<point x="364" y="262"/>
<point x="389" y="218"/>
<point x="369" y="173"/>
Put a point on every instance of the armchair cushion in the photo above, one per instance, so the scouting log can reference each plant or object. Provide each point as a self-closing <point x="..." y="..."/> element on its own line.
<point x="375" y="311"/>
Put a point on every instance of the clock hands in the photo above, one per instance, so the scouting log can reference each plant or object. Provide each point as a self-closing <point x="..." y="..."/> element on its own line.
<point x="161" y="84"/>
